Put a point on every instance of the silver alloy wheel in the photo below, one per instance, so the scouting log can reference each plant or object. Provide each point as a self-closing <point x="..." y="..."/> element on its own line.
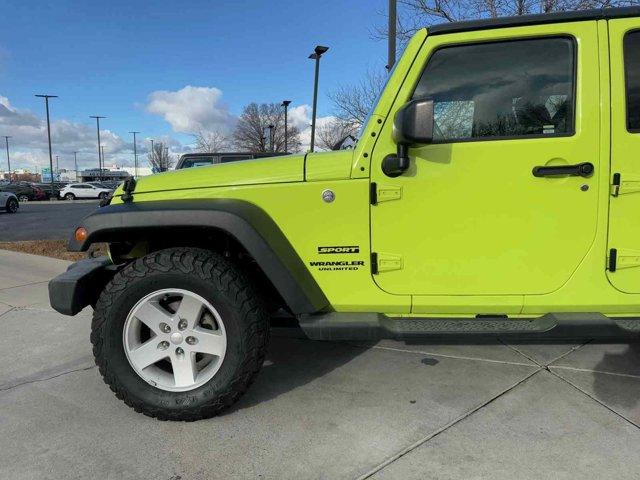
<point x="174" y="339"/>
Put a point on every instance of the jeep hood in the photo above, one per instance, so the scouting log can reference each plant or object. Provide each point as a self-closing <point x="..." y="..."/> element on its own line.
<point x="288" y="168"/>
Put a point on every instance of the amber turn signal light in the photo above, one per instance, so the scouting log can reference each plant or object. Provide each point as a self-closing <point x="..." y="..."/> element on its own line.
<point x="81" y="234"/>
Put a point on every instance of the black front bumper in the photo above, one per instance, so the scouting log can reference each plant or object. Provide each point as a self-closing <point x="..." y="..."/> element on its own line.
<point x="80" y="285"/>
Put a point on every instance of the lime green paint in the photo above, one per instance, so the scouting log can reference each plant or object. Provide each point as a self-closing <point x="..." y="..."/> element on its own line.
<point x="248" y="172"/>
<point x="328" y="165"/>
<point x="467" y="229"/>
<point x="624" y="230"/>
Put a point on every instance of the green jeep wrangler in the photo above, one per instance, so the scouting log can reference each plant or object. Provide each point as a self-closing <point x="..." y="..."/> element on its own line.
<point x="493" y="189"/>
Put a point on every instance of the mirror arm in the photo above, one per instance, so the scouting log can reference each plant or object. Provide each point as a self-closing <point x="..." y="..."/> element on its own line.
<point x="396" y="164"/>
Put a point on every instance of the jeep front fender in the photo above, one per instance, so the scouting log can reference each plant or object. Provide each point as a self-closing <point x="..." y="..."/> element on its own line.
<point x="248" y="224"/>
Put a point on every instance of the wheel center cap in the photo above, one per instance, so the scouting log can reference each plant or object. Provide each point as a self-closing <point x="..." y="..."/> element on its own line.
<point x="176" y="338"/>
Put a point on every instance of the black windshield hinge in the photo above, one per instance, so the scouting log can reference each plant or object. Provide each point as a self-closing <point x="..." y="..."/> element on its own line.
<point x="373" y="193"/>
<point x="613" y="259"/>
<point x="128" y="187"/>
<point x="615" y="186"/>
<point x="374" y="263"/>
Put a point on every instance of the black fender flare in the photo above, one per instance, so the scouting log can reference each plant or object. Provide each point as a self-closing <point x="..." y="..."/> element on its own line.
<point x="251" y="226"/>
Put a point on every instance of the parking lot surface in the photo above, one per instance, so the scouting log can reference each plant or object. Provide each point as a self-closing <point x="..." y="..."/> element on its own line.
<point x="389" y="410"/>
<point x="53" y="220"/>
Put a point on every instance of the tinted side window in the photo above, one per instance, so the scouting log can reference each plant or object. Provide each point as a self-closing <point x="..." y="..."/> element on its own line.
<point x="632" y="77"/>
<point x="501" y="89"/>
<point x="233" y="158"/>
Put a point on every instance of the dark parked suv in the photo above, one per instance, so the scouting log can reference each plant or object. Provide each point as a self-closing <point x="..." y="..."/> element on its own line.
<point x="25" y="191"/>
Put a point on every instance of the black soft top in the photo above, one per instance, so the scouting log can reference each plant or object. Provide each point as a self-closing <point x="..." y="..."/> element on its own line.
<point x="525" y="20"/>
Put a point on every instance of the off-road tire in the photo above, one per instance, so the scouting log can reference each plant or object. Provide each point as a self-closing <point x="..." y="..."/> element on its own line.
<point x="217" y="280"/>
<point x="12" y="205"/>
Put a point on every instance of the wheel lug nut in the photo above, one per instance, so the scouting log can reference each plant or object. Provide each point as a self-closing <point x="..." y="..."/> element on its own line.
<point x="191" y="340"/>
<point x="179" y="351"/>
<point x="165" y="328"/>
<point x="182" y="324"/>
<point x="163" y="345"/>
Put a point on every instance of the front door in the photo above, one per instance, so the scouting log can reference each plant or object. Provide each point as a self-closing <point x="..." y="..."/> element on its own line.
<point x="624" y="204"/>
<point x="470" y="217"/>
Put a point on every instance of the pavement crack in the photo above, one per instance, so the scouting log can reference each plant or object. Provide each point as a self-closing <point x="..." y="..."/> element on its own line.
<point x="24" y="285"/>
<point x="594" y="398"/>
<point x="444" y="428"/>
<point x="457" y="357"/>
<point x="587" y="370"/>
<point x="44" y="376"/>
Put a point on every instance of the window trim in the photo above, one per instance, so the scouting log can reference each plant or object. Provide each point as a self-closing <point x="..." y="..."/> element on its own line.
<point x="571" y="133"/>
<point x="626" y="82"/>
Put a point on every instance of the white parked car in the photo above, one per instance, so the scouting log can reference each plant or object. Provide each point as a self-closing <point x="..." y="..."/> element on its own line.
<point x="84" y="190"/>
<point x="9" y="202"/>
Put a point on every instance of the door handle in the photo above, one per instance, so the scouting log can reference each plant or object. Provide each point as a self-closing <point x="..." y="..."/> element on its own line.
<point x="584" y="169"/>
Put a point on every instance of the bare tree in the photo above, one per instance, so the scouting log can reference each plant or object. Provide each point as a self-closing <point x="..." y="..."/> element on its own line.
<point x="159" y="158"/>
<point x="333" y="132"/>
<point x="253" y="134"/>
<point x="211" y="142"/>
<point x="352" y="103"/>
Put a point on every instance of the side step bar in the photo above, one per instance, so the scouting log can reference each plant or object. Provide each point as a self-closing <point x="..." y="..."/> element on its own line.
<point x="374" y="326"/>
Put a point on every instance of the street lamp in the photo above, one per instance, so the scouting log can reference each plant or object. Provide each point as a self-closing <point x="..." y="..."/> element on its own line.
<point x="271" y="127"/>
<point x="135" y="155"/>
<point x="102" y="153"/>
<point x="75" y="163"/>
<point x="46" y="102"/>
<point x="285" y="104"/>
<point x="316" y="55"/>
<point x="6" y="139"/>
<point x="57" y="168"/>
<point x="98" y="117"/>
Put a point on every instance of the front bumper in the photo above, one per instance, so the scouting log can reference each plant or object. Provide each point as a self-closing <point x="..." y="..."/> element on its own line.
<point x="80" y="285"/>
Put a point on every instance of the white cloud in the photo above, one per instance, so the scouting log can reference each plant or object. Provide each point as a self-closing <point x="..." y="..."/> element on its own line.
<point x="192" y="109"/>
<point x="29" y="147"/>
<point x="300" y="117"/>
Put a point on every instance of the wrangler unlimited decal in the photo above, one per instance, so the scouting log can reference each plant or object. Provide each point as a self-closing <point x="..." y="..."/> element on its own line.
<point x="339" y="249"/>
<point x="339" y="265"/>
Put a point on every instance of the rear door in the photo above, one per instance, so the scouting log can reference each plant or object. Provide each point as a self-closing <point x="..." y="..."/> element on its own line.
<point x="624" y="206"/>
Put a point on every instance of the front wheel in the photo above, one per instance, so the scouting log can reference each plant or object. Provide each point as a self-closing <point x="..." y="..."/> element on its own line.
<point x="102" y="195"/>
<point x="12" y="205"/>
<point x="69" y="196"/>
<point x="179" y="334"/>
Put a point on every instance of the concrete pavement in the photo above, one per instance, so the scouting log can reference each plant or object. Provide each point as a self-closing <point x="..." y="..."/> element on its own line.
<point x="318" y="409"/>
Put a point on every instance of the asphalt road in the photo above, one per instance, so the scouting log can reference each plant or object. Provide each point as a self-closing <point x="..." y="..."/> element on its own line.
<point x="44" y="220"/>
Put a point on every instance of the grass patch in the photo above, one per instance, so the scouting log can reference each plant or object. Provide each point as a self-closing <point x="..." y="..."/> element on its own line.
<point x="52" y="248"/>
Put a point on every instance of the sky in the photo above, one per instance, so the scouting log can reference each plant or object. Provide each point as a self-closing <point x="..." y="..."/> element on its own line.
<point x="168" y="69"/>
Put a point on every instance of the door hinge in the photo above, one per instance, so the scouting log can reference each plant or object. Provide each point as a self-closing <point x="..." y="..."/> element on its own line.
<point x="623" y="258"/>
<point x="385" y="262"/>
<point x="630" y="184"/>
<point x="384" y="193"/>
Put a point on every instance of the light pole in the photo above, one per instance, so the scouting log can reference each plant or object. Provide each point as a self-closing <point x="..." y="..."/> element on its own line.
<point x="102" y="153"/>
<point x="46" y="102"/>
<point x="6" y="139"/>
<point x="153" y="153"/>
<point x="285" y="104"/>
<point x="75" y="163"/>
<point x="135" y="155"/>
<point x="316" y="55"/>
<point x="271" y="127"/>
<point x="98" y="117"/>
<point x="57" y="167"/>
<point x="391" y="47"/>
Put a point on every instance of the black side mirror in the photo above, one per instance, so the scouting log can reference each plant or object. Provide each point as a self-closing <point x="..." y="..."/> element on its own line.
<point x="413" y="125"/>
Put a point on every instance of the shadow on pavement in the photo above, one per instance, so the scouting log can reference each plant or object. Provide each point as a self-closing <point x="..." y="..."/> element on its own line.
<point x="615" y="389"/>
<point x="293" y="361"/>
